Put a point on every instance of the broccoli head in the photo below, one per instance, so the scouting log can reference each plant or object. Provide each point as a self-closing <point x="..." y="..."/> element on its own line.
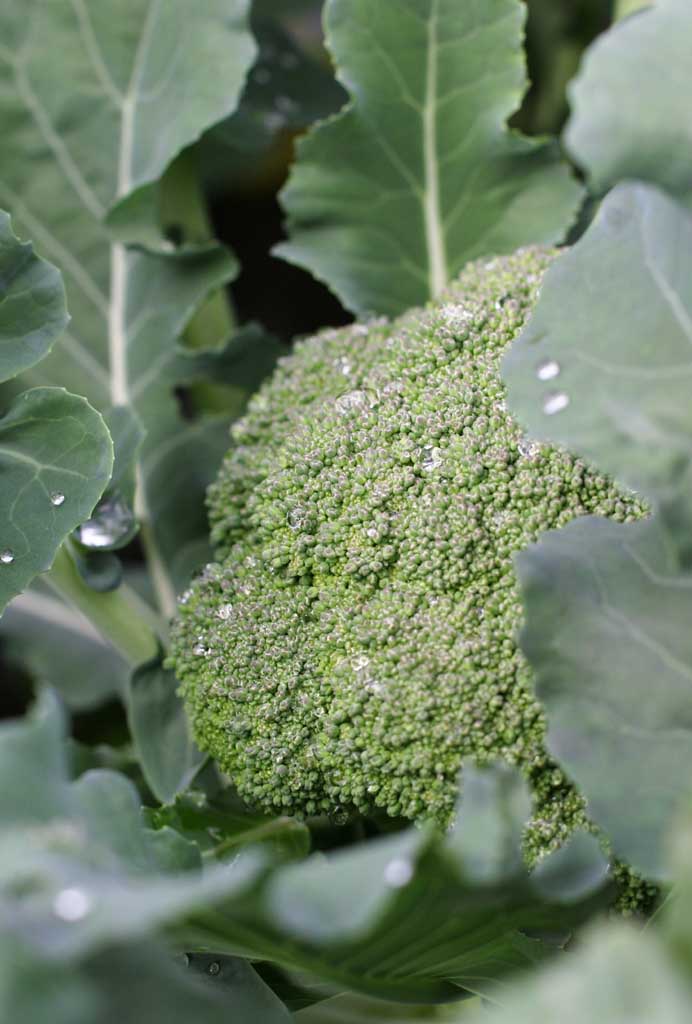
<point x="357" y="637"/>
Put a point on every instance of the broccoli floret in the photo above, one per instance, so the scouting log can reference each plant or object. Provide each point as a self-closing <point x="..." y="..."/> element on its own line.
<point x="357" y="638"/>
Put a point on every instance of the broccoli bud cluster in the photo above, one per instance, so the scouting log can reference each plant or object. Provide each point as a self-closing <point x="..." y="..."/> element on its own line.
<point x="357" y="637"/>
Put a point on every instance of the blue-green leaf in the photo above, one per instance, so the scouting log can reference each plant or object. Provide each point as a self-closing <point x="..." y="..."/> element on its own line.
<point x="390" y="198"/>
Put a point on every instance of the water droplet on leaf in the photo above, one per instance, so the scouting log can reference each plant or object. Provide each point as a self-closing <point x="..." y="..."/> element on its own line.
<point x="548" y="369"/>
<point x="6" y="557"/>
<point x="555" y="403"/>
<point x="71" y="904"/>
<point x="57" y="498"/>
<point x="111" y="524"/>
<point x="214" y="967"/>
<point x="398" y="873"/>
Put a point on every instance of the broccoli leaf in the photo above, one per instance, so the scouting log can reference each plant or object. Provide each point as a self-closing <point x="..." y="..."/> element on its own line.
<point x="33" y="312"/>
<point x="137" y="982"/>
<point x="390" y="198"/>
<point x="71" y="154"/>
<point x="161" y="732"/>
<point x="603" y="367"/>
<point x="55" y="450"/>
<point x="607" y="634"/>
<point x="58" y="645"/>
<point x="619" y="974"/>
<point x="630" y="112"/>
<point x="605" y="363"/>
<point x="412" y="916"/>
<point x="55" y="460"/>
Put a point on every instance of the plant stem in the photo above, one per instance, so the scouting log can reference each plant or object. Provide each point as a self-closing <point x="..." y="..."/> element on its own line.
<point x="121" y="616"/>
<point x="625" y="7"/>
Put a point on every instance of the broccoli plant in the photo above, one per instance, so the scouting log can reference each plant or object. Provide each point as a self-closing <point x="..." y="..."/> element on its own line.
<point x="345" y="510"/>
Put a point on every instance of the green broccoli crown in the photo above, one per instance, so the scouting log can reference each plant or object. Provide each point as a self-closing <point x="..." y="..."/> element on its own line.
<point x="357" y="638"/>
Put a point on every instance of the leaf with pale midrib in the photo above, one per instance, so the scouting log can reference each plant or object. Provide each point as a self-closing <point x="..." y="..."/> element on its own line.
<point x="390" y="198"/>
<point x="608" y="605"/>
<point x="138" y="91"/>
<point x="630" y="102"/>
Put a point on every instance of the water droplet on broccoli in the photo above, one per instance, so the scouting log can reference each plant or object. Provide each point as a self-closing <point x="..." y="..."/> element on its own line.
<point x="548" y="369"/>
<point x="57" y="498"/>
<point x="352" y="401"/>
<point x="296" y="518"/>
<point x="6" y="557"/>
<point x="71" y="905"/>
<point x="528" y="448"/>
<point x="555" y="403"/>
<point x="225" y="611"/>
<point x="200" y="650"/>
<point x="431" y="458"/>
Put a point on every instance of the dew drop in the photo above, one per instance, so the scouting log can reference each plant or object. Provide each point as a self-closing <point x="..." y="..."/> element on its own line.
<point x="398" y="873"/>
<point x="352" y="401"/>
<point x="431" y="458"/>
<point x="57" y="498"/>
<point x="71" y="904"/>
<point x="296" y="518"/>
<point x="343" y="365"/>
<point x="200" y="649"/>
<point x="6" y="557"/>
<point x="555" y="403"/>
<point x="548" y="369"/>
<point x="225" y="612"/>
<point x="214" y="968"/>
<point x="529" y="449"/>
<point x="112" y="523"/>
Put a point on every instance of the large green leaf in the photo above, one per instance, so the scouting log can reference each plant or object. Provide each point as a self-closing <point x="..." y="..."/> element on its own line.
<point x="145" y="80"/>
<point x="419" y="174"/>
<point x="619" y="975"/>
<point x="413" y="917"/>
<point x="60" y="646"/>
<point x="56" y="457"/>
<point x="161" y="732"/>
<point x="607" y="633"/>
<point x="137" y="983"/>
<point x="630" y="111"/>
<point x="55" y="450"/>
<point x="32" y="304"/>
<point x="604" y="365"/>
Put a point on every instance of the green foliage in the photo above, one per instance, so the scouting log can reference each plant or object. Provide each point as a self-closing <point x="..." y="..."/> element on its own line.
<point x="83" y="876"/>
<point x="55" y="450"/>
<point x="419" y="174"/>
<point x="630" y="117"/>
<point x="389" y="633"/>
